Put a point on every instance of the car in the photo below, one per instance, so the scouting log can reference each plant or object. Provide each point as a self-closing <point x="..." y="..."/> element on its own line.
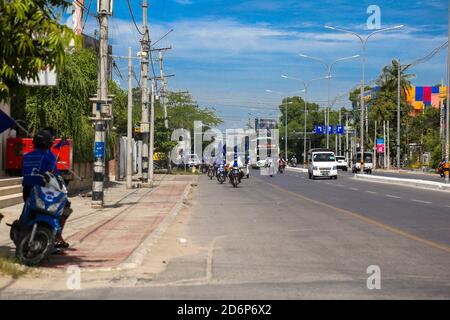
<point x="368" y="162"/>
<point x="193" y="160"/>
<point x="322" y="163"/>
<point x="341" y="163"/>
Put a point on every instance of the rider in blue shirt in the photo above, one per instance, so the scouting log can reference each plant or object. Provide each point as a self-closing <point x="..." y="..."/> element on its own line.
<point x="39" y="161"/>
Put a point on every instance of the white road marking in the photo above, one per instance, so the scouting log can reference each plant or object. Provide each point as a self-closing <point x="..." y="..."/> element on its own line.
<point x="340" y="185"/>
<point x="421" y="201"/>
<point x="354" y="189"/>
<point x="391" y="196"/>
<point x="372" y="192"/>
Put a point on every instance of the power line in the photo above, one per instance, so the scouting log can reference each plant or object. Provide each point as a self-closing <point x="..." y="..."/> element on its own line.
<point x="87" y="15"/>
<point x="132" y="17"/>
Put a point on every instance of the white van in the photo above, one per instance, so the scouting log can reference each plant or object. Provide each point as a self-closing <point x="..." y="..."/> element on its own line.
<point x="322" y="163"/>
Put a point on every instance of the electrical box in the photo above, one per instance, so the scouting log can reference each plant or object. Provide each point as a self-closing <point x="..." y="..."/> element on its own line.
<point x="105" y="6"/>
<point x="106" y="110"/>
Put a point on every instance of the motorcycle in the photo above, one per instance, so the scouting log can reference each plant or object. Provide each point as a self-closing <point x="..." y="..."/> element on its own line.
<point x="281" y="167"/>
<point x="210" y="172"/>
<point x="234" y="176"/>
<point x="293" y="163"/>
<point x="35" y="231"/>
<point x="221" y="174"/>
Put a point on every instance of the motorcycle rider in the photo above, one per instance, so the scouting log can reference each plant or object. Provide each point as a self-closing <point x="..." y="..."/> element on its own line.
<point x="41" y="159"/>
<point x="294" y="160"/>
<point x="269" y="165"/>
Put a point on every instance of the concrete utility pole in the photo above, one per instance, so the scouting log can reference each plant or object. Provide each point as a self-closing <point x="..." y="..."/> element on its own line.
<point x="375" y="146"/>
<point x="145" y="128"/>
<point x="346" y="137"/>
<point x="388" y="154"/>
<point x="163" y="100"/>
<point x="129" y="122"/>
<point x="102" y="108"/>
<point x="398" y="111"/>
<point x="152" y="132"/>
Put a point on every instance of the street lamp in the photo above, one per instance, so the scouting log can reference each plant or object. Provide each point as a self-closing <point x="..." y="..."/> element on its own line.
<point x="305" y="89"/>
<point x="285" y="120"/>
<point x="329" y="67"/>
<point x="363" y="43"/>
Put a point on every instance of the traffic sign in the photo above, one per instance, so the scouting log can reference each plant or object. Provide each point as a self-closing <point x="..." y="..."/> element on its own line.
<point x="330" y="130"/>
<point x="319" y="129"/>
<point x="339" y="129"/>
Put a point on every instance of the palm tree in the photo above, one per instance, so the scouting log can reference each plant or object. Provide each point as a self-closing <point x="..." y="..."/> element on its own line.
<point x="388" y="80"/>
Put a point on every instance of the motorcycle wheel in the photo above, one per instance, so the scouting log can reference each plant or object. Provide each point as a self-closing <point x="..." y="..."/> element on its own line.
<point x="40" y="249"/>
<point x="14" y="233"/>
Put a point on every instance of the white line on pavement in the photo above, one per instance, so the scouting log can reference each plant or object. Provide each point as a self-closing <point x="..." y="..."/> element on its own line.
<point x="391" y="196"/>
<point x="421" y="201"/>
<point x="340" y="185"/>
<point x="372" y="192"/>
<point x="354" y="189"/>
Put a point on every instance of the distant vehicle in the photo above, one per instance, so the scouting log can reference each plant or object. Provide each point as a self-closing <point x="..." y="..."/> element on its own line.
<point x="341" y="163"/>
<point x="193" y="160"/>
<point x="368" y="162"/>
<point x="322" y="163"/>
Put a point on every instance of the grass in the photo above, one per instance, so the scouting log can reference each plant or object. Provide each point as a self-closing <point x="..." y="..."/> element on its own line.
<point x="10" y="268"/>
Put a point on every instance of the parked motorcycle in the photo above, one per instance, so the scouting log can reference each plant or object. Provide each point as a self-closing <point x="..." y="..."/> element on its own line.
<point x="35" y="231"/>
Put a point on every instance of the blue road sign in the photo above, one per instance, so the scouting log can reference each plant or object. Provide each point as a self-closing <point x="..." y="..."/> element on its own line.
<point x="339" y="129"/>
<point x="319" y="129"/>
<point x="330" y="129"/>
<point x="99" y="150"/>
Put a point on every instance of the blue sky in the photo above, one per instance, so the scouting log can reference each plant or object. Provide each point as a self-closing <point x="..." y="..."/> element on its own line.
<point x="227" y="53"/>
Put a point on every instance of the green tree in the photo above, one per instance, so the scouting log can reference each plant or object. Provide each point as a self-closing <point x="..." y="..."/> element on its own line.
<point x="31" y="39"/>
<point x="65" y="106"/>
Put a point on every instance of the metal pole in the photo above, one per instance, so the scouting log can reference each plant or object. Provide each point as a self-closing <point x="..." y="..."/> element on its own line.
<point x="346" y="137"/>
<point x="398" y="112"/>
<point x="129" y="122"/>
<point x="163" y="102"/>
<point x="328" y="106"/>
<point x="384" y="141"/>
<point x="145" y="128"/>
<point x="304" y="127"/>
<point x="375" y="145"/>
<point x="447" y="116"/>
<point x="152" y="132"/>
<point x="362" y="108"/>
<point x="285" y="130"/>
<point x="102" y="99"/>
<point x="388" y="154"/>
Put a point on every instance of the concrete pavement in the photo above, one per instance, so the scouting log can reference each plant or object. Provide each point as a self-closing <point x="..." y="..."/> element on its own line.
<point x="106" y="238"/>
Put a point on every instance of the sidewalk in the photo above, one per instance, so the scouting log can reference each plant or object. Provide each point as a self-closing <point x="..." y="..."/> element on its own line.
<point x="110" y="237"/>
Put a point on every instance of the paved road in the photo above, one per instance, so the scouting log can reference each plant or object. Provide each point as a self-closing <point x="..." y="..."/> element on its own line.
<point x="288" y="237"/>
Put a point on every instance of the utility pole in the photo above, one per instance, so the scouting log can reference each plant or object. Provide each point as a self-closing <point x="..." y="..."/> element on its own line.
<point x="129" y="122"/>
<point x="145" y="128"/>
<point x="163" y="102"/>
<point x="346" y="137"/>
<point x="384" y="141"/>
<point x="152" y="131"/>
<point x="388" y="154"/>
<point x="398" y="112"/>
<point x="447" y="115"/>
<point x="375" y="146"/>
<point x="102" y="107"/>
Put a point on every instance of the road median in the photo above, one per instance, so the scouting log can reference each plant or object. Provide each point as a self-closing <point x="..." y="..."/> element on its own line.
<point x="415" y="183"/>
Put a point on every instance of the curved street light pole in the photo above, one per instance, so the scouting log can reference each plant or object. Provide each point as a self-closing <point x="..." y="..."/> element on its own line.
<point x="329" y="67"/>
<point x="363" y="43"/>
<point x="305" y="89"/>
